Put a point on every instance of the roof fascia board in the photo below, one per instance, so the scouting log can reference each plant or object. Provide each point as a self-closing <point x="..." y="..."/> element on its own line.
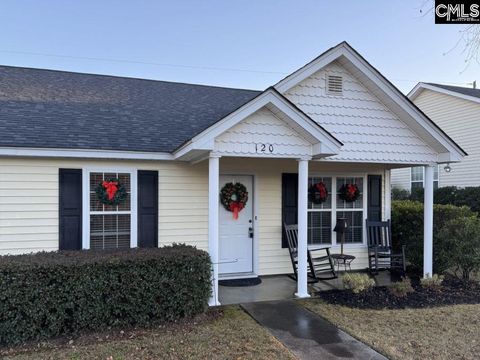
<point x="206" y="139"/>
<point x="311" y="68"/>
<point x="83" y="154"/>
<point x="413" y="94"/>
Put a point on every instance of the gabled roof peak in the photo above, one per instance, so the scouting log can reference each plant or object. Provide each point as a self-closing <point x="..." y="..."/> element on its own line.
<point x="465" y="93"/>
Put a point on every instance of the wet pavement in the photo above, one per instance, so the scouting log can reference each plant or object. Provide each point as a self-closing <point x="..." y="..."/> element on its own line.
<point x="306" y="334"/>
<point x="281" y="287"/>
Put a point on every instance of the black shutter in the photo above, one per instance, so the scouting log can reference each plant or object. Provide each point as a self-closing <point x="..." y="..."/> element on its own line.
<point x="147" y="208"/>
<point x="289" y="203"/>
<point x="70" y="209"/>
<point x="374" y="197"/>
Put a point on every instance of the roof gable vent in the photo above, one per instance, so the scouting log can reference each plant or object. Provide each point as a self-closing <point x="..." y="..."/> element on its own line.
<point x="334" y="85"/>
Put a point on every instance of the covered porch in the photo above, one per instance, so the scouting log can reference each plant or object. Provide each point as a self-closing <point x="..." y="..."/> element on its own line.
<point x="282" y="287"/>
<point x="269" y="259"/>
<point x="268" y="140"/>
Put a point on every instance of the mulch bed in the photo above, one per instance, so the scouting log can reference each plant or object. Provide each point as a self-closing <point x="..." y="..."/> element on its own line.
<point x="452" y="292"/>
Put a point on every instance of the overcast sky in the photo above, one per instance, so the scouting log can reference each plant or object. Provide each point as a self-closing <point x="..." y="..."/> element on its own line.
<point x="247" y="44"/>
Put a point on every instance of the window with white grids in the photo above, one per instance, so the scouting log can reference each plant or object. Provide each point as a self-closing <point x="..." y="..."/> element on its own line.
<point x="417" y="176"/>
<point x="352" y="211"/>
<point x="322" y="217"/>
<point x="110" y="225"/>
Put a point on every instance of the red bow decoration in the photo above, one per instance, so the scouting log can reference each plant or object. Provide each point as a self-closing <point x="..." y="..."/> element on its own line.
<point x="351" y="190"/>
<point x="111" y="188"/>
<point x="236" y="207"/>
<point x="322" y="190"/>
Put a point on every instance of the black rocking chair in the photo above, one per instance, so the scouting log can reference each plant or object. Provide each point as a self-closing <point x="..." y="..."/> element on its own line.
<point x="317" y="265"/>
<point x="380" y="251"/>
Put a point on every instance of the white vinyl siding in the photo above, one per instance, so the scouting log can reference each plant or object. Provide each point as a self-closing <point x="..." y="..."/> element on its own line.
<point x="460" y="119"/>
<point x="369" y="131"/>
<point x="400" y="178"/>
<point x="262" y="133"/>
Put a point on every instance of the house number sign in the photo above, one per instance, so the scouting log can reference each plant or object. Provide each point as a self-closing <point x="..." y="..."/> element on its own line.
<point x="264" y="148"/>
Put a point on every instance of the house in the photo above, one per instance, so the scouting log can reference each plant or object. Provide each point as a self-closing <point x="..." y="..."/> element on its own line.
<point x="72" y="144"/>
<point x="457" y="111"/>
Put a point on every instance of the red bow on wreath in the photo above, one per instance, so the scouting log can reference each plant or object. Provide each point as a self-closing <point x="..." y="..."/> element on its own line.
<point x="351" y="190"/>
<point x="322" y="190"/>
<point x="111" y="187"/>
<point x="236" y="207"/>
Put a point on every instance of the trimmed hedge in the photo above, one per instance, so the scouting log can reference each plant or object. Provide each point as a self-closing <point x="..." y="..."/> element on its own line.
<point x="448" y="195"/>
<point x="50" y="294"/>
<point x="407" y="228"/>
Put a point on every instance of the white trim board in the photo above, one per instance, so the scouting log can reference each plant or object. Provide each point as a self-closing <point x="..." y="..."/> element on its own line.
<point x="417" y="90"/>
<point x="83" y="154"/>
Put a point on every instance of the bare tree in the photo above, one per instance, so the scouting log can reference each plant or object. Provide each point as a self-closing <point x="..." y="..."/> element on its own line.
<point x="469" y="36"/>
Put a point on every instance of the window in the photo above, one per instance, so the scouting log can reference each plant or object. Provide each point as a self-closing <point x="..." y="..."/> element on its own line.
<point x="110" y="225"/>
<point x="322" y="217"/>
<point x="352" y="211"/>
<point x="418" y="176"/>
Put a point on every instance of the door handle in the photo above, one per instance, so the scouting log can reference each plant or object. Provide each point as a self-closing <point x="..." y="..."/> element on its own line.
<point x="250" y="232"/>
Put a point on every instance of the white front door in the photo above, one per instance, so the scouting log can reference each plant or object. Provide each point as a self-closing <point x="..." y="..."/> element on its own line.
<point x="236" y="235"/>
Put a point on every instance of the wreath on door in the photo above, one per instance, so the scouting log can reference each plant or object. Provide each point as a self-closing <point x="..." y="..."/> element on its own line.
<point x="318" y="193"/>
<point x="349" y="192"/>
<point x="111" y="191"/>
<point x="234" y="197"/>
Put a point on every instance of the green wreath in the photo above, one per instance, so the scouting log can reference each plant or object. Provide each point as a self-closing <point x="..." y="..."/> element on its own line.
<point x="234" y="197"/>
<point x="111" y="192"/>
<point x="349" y="192"/>
<point x="318" y="193"/>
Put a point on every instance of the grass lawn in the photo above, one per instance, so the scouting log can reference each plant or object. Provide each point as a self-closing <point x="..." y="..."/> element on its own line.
<point x="220" y="334"/>
<point x="448" y="332"/>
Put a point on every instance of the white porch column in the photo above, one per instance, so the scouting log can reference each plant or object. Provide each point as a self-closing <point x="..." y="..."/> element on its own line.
<point x="213" y="193"/>
<point x="388" y="195"/>
<point x="428" y="223"/>
<point x="302" y="280"/>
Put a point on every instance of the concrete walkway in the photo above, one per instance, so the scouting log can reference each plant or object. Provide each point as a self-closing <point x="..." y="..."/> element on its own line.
<point x="307" y="335"/>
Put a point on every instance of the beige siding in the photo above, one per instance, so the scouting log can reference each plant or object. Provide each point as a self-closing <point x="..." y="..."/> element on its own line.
<point x="460" y="119"/>
<point x="29" y="203"/>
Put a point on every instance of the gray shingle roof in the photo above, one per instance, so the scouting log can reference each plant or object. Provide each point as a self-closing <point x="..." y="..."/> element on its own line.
<point x="458" y="89"/>
<point x="57" y="109"/>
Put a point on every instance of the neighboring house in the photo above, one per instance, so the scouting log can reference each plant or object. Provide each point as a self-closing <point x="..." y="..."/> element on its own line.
<point x="457" y="111"/>
<point x="336" y="120"/>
